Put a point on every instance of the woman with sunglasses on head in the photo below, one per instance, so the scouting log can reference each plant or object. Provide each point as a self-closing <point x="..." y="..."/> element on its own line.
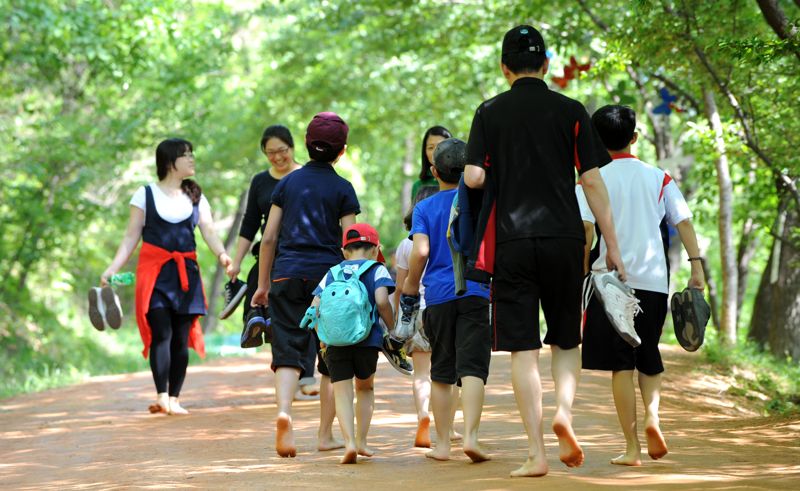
<point x="169" y="291"/>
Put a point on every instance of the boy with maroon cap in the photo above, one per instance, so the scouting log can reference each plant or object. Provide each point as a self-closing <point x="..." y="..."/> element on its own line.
<point x="310" y="207"/>
<point x="361" y="249"/>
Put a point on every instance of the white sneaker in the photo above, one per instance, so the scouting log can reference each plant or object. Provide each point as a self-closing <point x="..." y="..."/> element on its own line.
<point x="620" y="304"/>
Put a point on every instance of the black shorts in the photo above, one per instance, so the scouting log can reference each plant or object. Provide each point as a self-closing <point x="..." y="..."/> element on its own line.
<point x="293" y="346"/>
<point x="529" y="271"/>
<point x="604" y="349"/>
<point x="460" y="339"/>
<point x="346" y="362"/>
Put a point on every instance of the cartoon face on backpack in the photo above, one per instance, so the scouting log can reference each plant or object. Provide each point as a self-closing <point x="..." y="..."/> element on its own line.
<point x="345" y="315"/>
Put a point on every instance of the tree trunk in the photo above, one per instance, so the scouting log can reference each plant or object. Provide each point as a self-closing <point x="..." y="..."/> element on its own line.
<point x="776" y="313"/>
<point x="408" y="171"/>
<point x="747" y="249"/>
<point x="727" y="248"/>
<point x="210" y="320"/>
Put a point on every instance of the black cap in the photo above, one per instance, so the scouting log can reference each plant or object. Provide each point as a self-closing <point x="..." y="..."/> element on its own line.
<point x="450" y="156"/>
<point x="523" y="39"/>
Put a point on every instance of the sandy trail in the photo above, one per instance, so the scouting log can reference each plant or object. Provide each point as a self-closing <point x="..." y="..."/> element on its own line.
<point x="98" y="435"/>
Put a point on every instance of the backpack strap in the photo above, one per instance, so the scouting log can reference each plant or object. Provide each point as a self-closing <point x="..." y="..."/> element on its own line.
<point x="337" y="272"/>
<point x="365" y="267"/>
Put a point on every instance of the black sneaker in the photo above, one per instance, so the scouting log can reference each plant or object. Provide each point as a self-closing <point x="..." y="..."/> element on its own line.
<point x="256" y="325"/>
<point x="234" y="293"/>
<point x="112" y="309"/>
<point x="397" y="357"/>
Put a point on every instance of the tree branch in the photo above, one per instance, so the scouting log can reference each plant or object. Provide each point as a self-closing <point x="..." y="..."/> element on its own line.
<point x="776" y="18"/>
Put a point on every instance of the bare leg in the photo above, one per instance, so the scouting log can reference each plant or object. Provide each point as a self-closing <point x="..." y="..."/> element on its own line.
<point x="566" y="368"/>
<point x="422" y="396"/>
<point x="472" y="405"/>
<point x="528" y="393"/>
<point x="454" y="435"/>
<point x="441" y="402"/>
<point x="650" y="385"/>
<point x="625" y="400"/>
<point x="285" y="386"/>
<point x="343" y="395"/>
<point x="365" y="405"/>
<point x="327" y="411"/>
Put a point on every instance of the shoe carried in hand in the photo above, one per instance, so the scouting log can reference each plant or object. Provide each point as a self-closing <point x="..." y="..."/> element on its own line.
<point x="256" y="327"/>
<point x="104" y="308"/>
<point x="394" y="352"/>
<point x="233" y="293"/>
<point x="407" y="313"/>
<point x="620" y="304"/>
<point x="690" y="314"/>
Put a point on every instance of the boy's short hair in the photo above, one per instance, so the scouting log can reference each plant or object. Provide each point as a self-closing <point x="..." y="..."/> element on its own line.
<point x="449" y="159"/>
<point x="326" y="136"/>
<point x="523" y="50"/>
<point x="615" y="124"/>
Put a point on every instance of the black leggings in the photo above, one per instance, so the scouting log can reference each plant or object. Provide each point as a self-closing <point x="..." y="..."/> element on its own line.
<point x="169" y="348"/>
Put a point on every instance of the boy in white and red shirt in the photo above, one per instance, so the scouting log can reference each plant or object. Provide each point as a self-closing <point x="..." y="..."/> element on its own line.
<point x="641" y="196"/>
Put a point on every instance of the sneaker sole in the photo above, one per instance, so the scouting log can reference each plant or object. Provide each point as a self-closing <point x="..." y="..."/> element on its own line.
<point x="688" y="337"/>
<point x="228" y="310"/>
<point x="113" y="310"/>
<point x="251" y="336"/>
<point x="95" y="315"/>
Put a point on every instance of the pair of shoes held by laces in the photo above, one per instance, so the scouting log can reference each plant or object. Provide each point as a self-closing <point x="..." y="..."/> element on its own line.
<point x="620" y="304"/>
<point x="393" y="351"/>
<point x="233" y="293"/>
<point x="256" y="328"/>
<point x="104" y="308"/>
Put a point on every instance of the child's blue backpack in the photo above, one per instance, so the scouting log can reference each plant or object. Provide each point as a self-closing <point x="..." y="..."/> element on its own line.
<point x="345" y="312"/>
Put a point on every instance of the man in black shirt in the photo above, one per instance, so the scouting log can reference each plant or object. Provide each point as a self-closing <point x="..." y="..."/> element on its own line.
<point x="526" y="144"/>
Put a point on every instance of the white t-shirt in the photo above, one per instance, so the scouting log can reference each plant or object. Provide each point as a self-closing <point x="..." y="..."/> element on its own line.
<point x="641" y="196"/>
<point x="402" y="254"/>
<point x="173" y="210"/>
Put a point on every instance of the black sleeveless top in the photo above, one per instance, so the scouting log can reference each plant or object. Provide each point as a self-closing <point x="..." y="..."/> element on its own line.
<point x="178" y="237"/>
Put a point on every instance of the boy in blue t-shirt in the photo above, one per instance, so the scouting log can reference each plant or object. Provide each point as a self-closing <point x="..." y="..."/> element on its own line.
<point x="360" y="243"/>
<point x="457" y="326"/>
<point x="310" y="207"/>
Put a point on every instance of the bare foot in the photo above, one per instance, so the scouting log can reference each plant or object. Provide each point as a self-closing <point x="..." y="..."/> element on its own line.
<point x="656" y="446"/>
<point x="284" y="437"/>
<point x="175" y="407"/>
<point x="475" y="452"/>
<point x="569" y="450"/>
<point x="439" y="453"/>
<point x="423" y="438"/>
<point x="455" y="436"/>
<point x="157" y="408"/>
<point x="300" y="396"/>
<point x="330" y="443"/>
<point x="365" y="451"/>
<point x="350" y="456"/>
<point x="533" y="467"/>
<point x="625" y="459"/>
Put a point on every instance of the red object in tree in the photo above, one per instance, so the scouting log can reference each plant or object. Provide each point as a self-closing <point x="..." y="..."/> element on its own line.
<point x="570" y="72"/>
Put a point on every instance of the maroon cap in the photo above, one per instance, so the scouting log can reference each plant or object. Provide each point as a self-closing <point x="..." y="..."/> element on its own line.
<point x="327" y="128"/>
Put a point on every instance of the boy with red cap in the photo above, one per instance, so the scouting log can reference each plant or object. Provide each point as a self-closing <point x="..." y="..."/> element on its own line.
<point x="352" y="358"/>
<point x="310" y="207"/>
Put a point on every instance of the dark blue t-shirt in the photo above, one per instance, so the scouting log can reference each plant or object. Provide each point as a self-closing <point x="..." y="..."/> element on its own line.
<point x="430" y="218"/>
<point x="376" y="277"/>
<point x="313" y="199"/>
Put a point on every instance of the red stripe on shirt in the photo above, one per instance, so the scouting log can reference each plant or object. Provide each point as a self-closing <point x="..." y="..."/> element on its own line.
<point x="577" y="160"/>
<point x="667" y="180"/>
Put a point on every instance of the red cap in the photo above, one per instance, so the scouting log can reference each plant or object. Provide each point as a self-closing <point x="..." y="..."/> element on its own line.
<point x="366" y="233"/>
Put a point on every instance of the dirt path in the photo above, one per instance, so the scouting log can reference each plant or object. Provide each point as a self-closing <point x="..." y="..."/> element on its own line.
<point x="97" y="435"/>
